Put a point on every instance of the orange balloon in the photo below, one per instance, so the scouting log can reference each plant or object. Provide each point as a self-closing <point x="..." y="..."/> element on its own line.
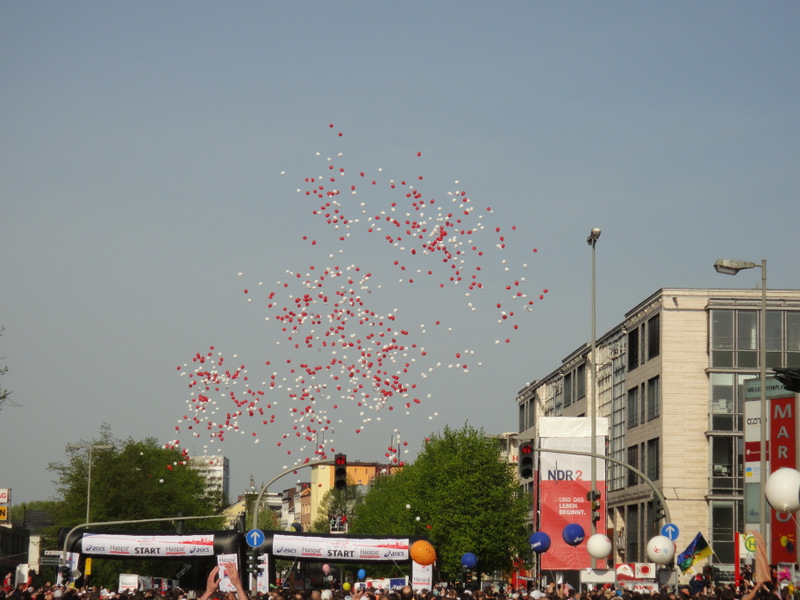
<point x="422" y="552"/>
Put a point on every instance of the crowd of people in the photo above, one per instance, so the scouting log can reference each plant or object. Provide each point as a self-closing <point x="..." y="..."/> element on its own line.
<point x="698" y="589"/>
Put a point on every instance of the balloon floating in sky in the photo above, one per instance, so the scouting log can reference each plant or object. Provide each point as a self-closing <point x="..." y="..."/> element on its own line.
<point x="334" y="343"/>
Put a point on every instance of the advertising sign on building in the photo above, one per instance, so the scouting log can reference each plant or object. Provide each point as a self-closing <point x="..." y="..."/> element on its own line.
<point x="781" y="435"/>
<point x="564" y="482"/>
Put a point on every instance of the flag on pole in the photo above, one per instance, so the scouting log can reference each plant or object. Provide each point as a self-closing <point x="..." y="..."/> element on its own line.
<point x="696" y="551"/>
<point x="762" y="564"/>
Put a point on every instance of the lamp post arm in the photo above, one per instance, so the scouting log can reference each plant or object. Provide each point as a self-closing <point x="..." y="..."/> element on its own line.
<point x="644" y="477"/>
<point x="264" y="487"/>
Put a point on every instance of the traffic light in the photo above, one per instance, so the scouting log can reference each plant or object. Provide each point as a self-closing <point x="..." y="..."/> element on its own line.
<point x="593" y="496"/>
<point x="525" y="463"/>
<point x="658" y="509"/>
<point x="340" y="471"/>
<point x="252" y="561"/>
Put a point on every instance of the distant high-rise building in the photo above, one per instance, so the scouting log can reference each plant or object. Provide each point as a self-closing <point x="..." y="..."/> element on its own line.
<point x="216" y="471"/>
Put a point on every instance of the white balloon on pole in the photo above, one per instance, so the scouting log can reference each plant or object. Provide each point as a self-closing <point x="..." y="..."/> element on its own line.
<point x="598" y="546"/>
<point x="783" y="490"/>
<point x="660" y="550"/>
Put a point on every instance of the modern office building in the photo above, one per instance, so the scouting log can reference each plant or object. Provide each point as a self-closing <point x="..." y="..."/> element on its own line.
<point x="670" y="380"/>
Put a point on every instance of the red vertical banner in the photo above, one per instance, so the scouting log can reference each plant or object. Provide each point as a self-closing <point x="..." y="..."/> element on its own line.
<point x="783" y="453"/>
<point x="564" y="482"/>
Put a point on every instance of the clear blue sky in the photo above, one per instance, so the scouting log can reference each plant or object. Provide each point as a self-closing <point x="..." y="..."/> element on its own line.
<point x="153" y="151"/>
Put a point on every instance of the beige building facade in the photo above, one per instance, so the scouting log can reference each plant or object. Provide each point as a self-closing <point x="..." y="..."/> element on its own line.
<point x="670" y="381"/>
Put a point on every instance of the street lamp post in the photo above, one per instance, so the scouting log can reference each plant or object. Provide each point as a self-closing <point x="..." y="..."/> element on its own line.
<point x="594" y="235"/>
<point x="90" y="447"/>
<point x="732" y="267"/>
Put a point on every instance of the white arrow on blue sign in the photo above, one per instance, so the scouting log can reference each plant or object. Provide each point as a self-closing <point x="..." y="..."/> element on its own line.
<point x="670" y="530"/>
<point x="254" y="538"/>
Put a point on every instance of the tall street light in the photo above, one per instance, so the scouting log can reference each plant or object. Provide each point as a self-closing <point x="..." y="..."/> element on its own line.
<point x="90" y="447"/>
<point x="594" y="235"/>
<point x="732" y="267"/>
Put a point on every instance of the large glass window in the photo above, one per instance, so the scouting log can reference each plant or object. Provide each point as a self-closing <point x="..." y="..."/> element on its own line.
<point x="726" y="520"/>
<point x="792" y="339"/>
<point x="632" y="530"/>
<point x="654" y="337"/>
<point x="653" y="394"/>
<point x="633" y="407"/>
<point x="735" y="338"/>
<point x="747" y="338"/>
<point x="723" y="407"/>
<point x="567" y="389"/>
<point x="580" y="382"/>
<point x="633" y="349"/>
<point x="633" y="460"/>
<point x="722" y="338"/>
<point x="653" y="461"/>
<point x="726" y="463"/>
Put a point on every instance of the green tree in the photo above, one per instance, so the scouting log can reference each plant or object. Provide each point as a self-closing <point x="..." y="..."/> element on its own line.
<point x="134" y="480"/>
<point x="339" y="503"/>
<point x="461" y="495"/>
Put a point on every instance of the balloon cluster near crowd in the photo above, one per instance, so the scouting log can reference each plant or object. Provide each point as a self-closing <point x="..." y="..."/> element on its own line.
<point x="350" y="340"/>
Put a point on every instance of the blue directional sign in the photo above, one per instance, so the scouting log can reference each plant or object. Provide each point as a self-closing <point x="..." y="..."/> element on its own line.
<point x="254" y="538"/>
<point x="670" y="530"/>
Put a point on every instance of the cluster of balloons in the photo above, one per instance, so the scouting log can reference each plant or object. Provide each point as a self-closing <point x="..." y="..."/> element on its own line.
<point x="660" y="549"/>
<point x="350" y="343"/>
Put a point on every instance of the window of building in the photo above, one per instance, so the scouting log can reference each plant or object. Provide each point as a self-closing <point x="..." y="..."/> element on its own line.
<point x="726" y="463"/>
<point x="580" y="382"/>
<point x="747" y="338"/>
<point x="653" y="462"/>
<point x="654" y="336"/>
<point x="633" y="460"/>
<point x="735" y="338"/>
<point x="722" y="338"/>
<point x="633" y="349"/>
<point x="567" y="390"/>
<point x="632" y="530"/>
<point x="726" y="520"/>
<point x="724" y="410"/>
<point x="653" y="393"/>
<point x="633" y="407"/>
<point x="792" y="339"/>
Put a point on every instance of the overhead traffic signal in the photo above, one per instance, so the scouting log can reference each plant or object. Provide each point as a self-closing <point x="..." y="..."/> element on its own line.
<point x="340" y="471"/>
<point x="525" y="463"/>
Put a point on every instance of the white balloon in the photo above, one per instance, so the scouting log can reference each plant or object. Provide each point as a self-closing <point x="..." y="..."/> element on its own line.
<point x="660" y="550"/>
<point x="598" y="546"/>
<point x="783" y="490"/>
